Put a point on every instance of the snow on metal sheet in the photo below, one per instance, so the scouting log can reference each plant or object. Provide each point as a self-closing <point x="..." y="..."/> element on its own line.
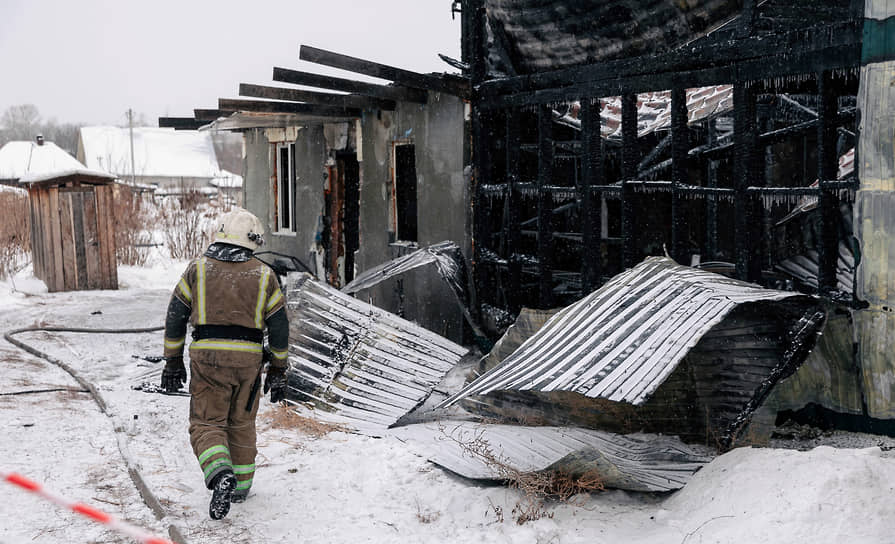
<point x="622" y="341"/>
<point x="445" y="255"/>
<point x="634" y="462"/>
<point x="361" y="365"/>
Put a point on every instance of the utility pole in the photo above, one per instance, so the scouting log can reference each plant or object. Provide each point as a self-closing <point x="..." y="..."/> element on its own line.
<point x="130" y="125"/>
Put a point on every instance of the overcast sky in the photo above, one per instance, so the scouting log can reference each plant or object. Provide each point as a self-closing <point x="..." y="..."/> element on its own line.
<point x="90" y="60"/>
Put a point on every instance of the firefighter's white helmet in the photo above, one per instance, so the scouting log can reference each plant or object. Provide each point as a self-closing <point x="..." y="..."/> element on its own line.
<point x="240" y="227"/>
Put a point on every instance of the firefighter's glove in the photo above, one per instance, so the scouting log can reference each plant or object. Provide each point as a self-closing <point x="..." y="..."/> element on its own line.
<point x="174" y="374"/>
<point x="275" y="383"/>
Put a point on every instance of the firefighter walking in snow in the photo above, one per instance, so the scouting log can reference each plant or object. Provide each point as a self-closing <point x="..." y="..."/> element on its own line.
<point x="229" y="298"/>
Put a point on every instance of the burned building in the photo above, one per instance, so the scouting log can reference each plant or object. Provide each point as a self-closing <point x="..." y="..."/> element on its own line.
<point x="747" y="138"/>
<point x="346" y="182"/>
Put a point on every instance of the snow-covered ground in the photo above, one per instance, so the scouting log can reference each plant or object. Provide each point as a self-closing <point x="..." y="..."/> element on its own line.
<point x="345" y="487"/>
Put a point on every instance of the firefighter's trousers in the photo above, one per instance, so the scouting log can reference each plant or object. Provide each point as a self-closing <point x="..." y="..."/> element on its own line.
<point x="222" y="431"/>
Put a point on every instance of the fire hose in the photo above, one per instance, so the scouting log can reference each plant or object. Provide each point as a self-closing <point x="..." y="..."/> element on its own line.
<point x="148" y="497"/>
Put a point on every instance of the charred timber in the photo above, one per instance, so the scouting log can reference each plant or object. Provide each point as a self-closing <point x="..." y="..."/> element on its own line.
<point x="827" y="168"/>
<point x="545" y="210"/>
<point x="591" y="259"/>
<point x="450" y="85"/>
<point x="311" y="97"/>
<point x="630" y="159"/>
<point x="181" y="123"/>
<point x="286" y="107"/>
<point x="211" y="115"/>
<point x="386" y="92"/>
<point x="753" y="59"/>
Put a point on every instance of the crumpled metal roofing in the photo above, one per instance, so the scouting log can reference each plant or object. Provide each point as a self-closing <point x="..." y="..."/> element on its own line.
<point x="622" y="341"/>
<point x="358" y="364"/>
<point x="632" y="462"/>
<point x="444" y="255"/>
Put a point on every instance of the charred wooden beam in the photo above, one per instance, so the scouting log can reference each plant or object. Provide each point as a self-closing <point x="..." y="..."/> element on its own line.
<point x="181" y="123"/>
<point x="591" y="256"/>
<point x="747" y="19"/>
<point x="827" y="169"/>
<point x="286" y="107"/>
<point x="311" y="97"/>
<point x="513" y="139"/>
<point x="481" y="164"/>
<point x="711" y="205"/>
<point x="760" y="58"/>
<point x="630" y="156"/>
<point x="386" y="92"/>
<point x="679" y="145"/>
<point x="545" y="206"/>
<point x="449" y="85"/>
<point x="744" y="149"/>
<point x="211" y="115"/>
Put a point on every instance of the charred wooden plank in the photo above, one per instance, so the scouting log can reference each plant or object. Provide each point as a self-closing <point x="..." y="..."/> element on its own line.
<point x="545" y="206"/>
<point x="211" y="115"/>
<point x="311" y="97"/>
<point x="449" y="85"/>
<point x="286" y="107"/>
<point x="827" y="167"/>
<point x="387" y="92"/>
<point x="180" y="123"/>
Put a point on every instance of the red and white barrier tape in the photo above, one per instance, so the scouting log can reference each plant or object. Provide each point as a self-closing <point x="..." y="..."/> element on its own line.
<point x="85" y="510"/>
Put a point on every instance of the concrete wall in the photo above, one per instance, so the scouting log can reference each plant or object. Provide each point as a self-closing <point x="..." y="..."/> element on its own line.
<point x="874" y="219"/>
<point x="260" y="160"/>
<point x="436" y="131"/>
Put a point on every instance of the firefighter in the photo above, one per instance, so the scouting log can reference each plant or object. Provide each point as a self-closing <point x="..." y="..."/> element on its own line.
<point x="229" y="298"/>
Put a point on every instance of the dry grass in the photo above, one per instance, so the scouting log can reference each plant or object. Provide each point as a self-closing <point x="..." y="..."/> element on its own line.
<point x="537" y="487"/>
<point x="132" y="220"/>
<point x="15" y="238"/>
<point x="185" y="220"/>
<point x="285" y="417"/>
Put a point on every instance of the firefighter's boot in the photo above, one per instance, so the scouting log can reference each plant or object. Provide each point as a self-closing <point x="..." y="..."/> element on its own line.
<point x="221" y="492"/>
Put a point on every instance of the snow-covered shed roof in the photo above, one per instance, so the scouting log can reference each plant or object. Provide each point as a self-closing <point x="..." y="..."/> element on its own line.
<point x="30" y="162"/>
<point x="158" y="152"/>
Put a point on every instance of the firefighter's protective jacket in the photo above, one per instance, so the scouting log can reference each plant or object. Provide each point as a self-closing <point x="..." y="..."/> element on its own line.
<point x="229" y="297"/>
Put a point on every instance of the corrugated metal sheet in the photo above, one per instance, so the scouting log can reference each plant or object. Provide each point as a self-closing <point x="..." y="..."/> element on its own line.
<point x="634" y="462"/>
<point x="358" y="364"/>
<point x="805" y="268"/>
<point x="623" y="340"/>
<point x="444" y="255"/>
<point x="654" y="110"/>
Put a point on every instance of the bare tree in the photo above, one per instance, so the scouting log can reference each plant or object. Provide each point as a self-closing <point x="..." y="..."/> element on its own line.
<point x="20" y="122"/>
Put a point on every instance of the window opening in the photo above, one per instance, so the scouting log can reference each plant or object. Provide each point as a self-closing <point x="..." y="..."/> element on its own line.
<point x="286" y="188"/>
<point x="405" y="192"/>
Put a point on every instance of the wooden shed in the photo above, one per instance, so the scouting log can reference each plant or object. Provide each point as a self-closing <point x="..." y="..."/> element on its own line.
<point x="72" y="230"/>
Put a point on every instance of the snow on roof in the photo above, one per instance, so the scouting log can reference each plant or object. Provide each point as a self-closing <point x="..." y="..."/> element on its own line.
<point x="158" y="152"/>
<point x="227" y="179"/>
<point x="27" y="160"/>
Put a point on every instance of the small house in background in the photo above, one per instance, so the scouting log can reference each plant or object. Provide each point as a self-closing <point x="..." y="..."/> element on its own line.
<point x="72" y="236"/>
<point x="174" y="162"/>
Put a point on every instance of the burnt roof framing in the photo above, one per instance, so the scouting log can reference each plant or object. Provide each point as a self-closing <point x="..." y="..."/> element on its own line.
<point x="752" y="59"/>
<point x="181" y="123"/>
<point x="286" y="107"/>
<point x="211" y="115"/>
<point x="453" y="85"/>
<point x="822" y="60"/>
<point x="387" y="92"/>
<point x="311" y="97"/>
